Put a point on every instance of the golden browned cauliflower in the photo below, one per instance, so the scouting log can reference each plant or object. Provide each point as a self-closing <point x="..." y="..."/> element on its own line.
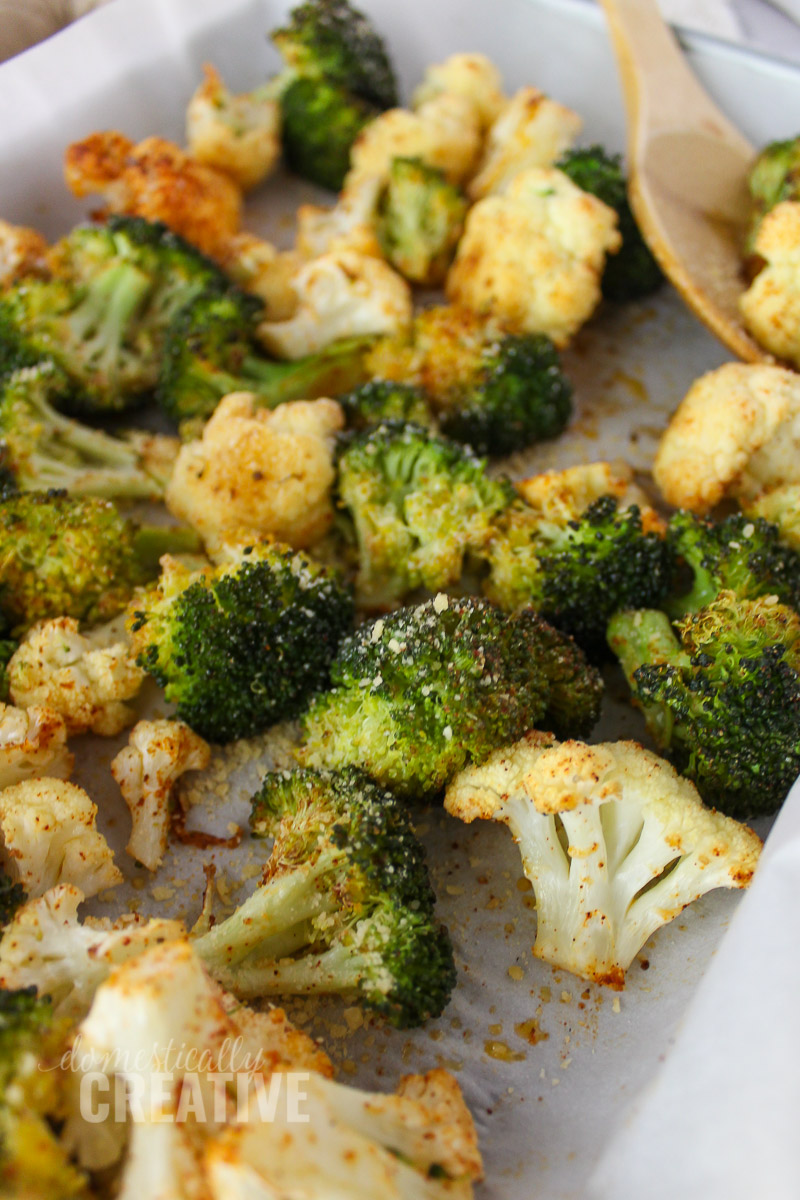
<point x="260" y="267"/>
<point x="614" y="841"/>
<point x="240" y="135"/>
<point x="22" y="252"/>
<point x="340" y="294"/>
<point x="259" y="471"/>
<point x="558" y="495"/>
<point x="473" y="76"/>
<point x="771" y="305"/>
<point x="531" y="131"/>
<point x="533" y="257"/>
<point x="147" y="770"/>
<point x="349" y="225"/>
<point x="85" y="677"/>
<point x="444" y="132"/>
<point x="33" y="742"/>
<point x="735" y="433"/>
<point x="49" y="837"/>
<point x="157" y="180"/>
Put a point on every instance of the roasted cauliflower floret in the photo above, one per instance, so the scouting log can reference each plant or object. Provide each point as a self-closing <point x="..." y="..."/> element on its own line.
<point x="735" y="433"/>
<point x="556" y="495"/>
<point x="157" y="180"/>
<point x="444" y="132"/>
<point x="473" y="76"/>
<point x="349" y="225"/>
<point x="240" y="135"/>
<point x="340" y="294"/>
<point x="49" y="837"/>
<point x="33" y="742"/>
<point x="86" y="677"/>
<point x="771" y="305"/>
<point x="147" y="771"/>
<point x="23" y="252"/>
<point x="531" y="131"/>
<point x="533" y="257"/>
<point x="260" y="471"/>
<point x="614" y="841"/>
<point x="259" y="267"/>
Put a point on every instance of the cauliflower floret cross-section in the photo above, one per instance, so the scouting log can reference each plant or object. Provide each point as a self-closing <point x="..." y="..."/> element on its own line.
<point x="147" y="770"/>
<point x="85" y="677"/>
<point x="614" y="841"/>
<point x="259" y="471"/>
<point x="533" y="257"/>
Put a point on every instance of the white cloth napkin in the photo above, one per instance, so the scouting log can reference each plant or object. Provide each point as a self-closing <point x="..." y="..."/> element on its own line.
<point x="709" y="16"/>
<point x="720" y="1119"/>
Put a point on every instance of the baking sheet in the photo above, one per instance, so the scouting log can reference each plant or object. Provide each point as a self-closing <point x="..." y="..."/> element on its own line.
<point x="548" y="1064"/>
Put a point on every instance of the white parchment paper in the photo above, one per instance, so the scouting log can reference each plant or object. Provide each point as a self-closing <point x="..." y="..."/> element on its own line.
<point x="549" y="1065"/>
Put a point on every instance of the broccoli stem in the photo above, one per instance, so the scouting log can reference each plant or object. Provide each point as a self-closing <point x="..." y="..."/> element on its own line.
<point x="336" y="369"/>
<point x="340" y="969"/>
<point x="103" y="317"/>
<point x="152" y="541"/>
<point x="639" y="636"/>
<point x="274" y="920"/>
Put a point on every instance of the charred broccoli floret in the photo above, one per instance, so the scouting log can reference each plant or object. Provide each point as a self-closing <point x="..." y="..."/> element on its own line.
<point x="740" y="554"/>
<point x="382" y="400"/>
<point x="241" y="645"/>
<point x="41" y="448"/>
<point x="721" y="694"/>
<point x="337" y="78"/>
<point x="418" y="694"/>
<point x="579" y="568"/>
<point x="345" y="904"/>
<point x="419" y="504"/>
<point x="420" y="219"/>
<point x="632" y="272"/>
<point x="103" y="312"/>
<point x="497" y="393"/>
<point x="209" y="352"/>
<point x="12" y="895"/>
<point x="774" y="177"/>
<point x="75" y="556"/>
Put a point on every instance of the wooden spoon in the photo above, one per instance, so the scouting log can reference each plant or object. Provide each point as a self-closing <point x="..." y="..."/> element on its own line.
<point x="688" y="168"/>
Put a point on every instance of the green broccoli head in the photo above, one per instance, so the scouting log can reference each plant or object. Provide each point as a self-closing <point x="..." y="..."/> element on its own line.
<point x="496" y="393"/>
<point x="422" y="692"/>
<point x="579" y="570"/>
<point x="24" y="1016"/>
<point x="575" y="688"/>
<point x="384" y="400"/>
<point x="420" y="220"/>
<point x="319" y="123"/>
<point x="721" y="694"/>
<point x="41" y="448"/>
<point x="774" y="177"/>
<point x="345" y="904"/>
<point x="12" y="896"/>
<point x="740" y="554"/>
<point x="75" y="556"/>
<point x="633" y="272"/>
<point x="419" y="504"/>
<point x="209" y="352"/>
<point x="240" y="646"/>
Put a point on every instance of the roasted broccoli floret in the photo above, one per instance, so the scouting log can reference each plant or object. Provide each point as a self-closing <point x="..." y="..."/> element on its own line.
<point x="75" y="556"/>
<point x="33" y="1163"/>
<point x="419" y="504"/>
<point x="103" y="313"/>
<point x="242" y="645"/>
<point x="579" y="568"/>
<point x="498" y="393"/>
<point x="418" y="694"/>
<point x="345" y="904"/>
<point x="382" y="400"/>
<point x="420" y="219"/>
<point x="774" y="177"/>
<point x="740" y="554"/>
<point x="721" y="694"/>
<point x="12" y="895"/>
<point x="41" y="448"/>
<point x="632" y="272"/>
<point x="337" y="78"/>
<point x="209" y="352"/>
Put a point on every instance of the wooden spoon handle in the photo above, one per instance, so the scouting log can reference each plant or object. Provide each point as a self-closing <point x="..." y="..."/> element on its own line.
<point x="661" y="92"/>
